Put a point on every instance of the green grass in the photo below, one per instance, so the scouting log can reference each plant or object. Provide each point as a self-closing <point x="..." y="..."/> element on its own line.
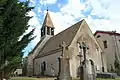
<point x="23" y="78"/>
<point x="30" y="78"/>
<point x="108" y="79"/>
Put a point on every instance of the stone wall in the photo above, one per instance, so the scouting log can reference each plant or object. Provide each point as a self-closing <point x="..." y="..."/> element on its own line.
<point x="93" y="53"/>
<point x="52" y="64"/>
<point x="109" y="52"/>
<point x="35" y="53"/>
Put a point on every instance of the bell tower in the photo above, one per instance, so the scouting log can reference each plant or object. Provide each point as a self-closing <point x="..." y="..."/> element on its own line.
<point x="47" y="27"/>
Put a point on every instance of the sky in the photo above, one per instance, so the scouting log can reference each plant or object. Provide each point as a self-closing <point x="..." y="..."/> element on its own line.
<point x="99" y="15"/>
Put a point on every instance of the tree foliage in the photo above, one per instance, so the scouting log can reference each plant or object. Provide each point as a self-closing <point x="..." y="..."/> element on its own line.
<point x="112" y="70"/>
<point x="13" y="23"/>
<point x="117" y="65"/>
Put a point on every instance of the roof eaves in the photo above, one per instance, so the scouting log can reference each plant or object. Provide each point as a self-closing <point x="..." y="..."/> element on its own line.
<point x="107" y="32"/>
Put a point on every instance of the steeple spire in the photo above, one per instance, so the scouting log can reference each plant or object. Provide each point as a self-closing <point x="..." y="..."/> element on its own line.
<point x="47" y="27"/>
<point x="47" y="21"/>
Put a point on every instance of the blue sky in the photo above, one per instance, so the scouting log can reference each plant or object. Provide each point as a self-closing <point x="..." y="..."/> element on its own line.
<point x="99" y="14"/>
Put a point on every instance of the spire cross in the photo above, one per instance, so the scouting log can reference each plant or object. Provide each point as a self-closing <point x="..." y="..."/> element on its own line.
<point x="47" y="8"/>
<point x="64" y="52"/>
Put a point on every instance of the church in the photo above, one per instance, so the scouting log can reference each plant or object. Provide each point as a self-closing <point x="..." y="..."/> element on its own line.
<point x="44" y="59"/>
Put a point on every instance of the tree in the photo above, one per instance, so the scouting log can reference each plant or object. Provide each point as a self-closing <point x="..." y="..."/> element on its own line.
<point x="117" y="65"/>
<point x="13" y="24"/>
<point x="112" y="70"/>
<point x="24" y="67"/>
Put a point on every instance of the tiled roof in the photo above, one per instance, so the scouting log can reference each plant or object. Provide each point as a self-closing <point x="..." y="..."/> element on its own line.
<point x="66" y="35"/>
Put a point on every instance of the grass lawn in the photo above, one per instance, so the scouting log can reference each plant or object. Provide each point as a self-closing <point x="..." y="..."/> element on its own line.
<point x="29" y="78"/>
<point x="108" y="79"/>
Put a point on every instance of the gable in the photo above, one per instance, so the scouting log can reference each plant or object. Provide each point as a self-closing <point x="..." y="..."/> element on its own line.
<point x="85" y="34"/>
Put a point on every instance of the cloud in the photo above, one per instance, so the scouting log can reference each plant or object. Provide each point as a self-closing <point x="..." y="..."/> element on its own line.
<point x="106" y="8"/>
<point x="34" y="23"/>
<point x="73" y="8"/>
<point x="67" y="15"/>
<point x="59" y="5"/>
<point x="99" y="14"/>
<point x="32" y="3"/>
<point x="44" y="2"/>
<point x="99" y="24"/>
<point x="34" y="20"/>
<point x="107" y="14"/>
<point x="109" y="10"/>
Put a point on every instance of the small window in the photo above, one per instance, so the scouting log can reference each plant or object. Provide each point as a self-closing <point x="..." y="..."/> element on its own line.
<point x="97" y="68"/>
<point x="105" y="44"/>
<point x="103" y="69"/>
<point x="44" y="65"/>
<point x="42" y="33"/>
<point x="48" y="30"/>
<point x="52" y="31"/>
<point x="98" y="36"/>
<point x="44" y="30"/>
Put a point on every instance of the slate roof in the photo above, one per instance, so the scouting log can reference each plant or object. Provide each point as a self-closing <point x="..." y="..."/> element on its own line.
<point x="66" y="35"/>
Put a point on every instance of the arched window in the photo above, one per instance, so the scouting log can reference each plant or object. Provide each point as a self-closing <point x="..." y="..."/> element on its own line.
<point x="48" y="30"/>
<point x="52" y="31"/>
<point x="44" y="65"/>
<point x="42" y="33"/>
<point x="105" y="43"/>
<point x="80" y="53"/>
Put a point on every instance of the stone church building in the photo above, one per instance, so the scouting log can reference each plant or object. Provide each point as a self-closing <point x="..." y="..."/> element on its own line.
<point x="44" y="59"/>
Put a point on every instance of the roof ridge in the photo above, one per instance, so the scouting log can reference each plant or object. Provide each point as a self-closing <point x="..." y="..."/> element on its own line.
<point x="69" y="27"/>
